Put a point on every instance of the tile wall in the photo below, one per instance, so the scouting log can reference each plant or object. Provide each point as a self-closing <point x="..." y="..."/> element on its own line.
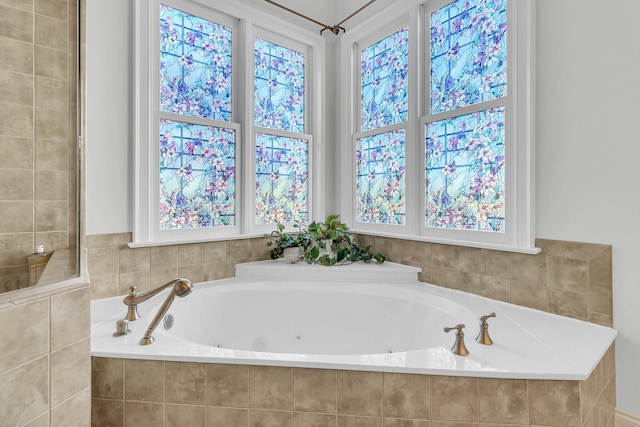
<point x="170" y="394"/>
<point x="568" y="278"/>
<point x="37" y="132"/>
<point x="45" y="367"/>
<point x="114" y="267"/>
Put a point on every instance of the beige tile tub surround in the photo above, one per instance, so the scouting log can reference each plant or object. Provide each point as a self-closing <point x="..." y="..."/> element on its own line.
<point x="567" y="278"/>
<point x="45" y="364"/>
<point x="114" y="267"/>
<point x="167" y="394"/>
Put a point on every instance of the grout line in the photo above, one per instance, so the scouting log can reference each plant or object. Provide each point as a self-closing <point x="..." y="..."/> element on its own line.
<point x="527" y="401"/>
<point x="49" y="374"/>
<point x="249" y="369"/>
<point x="33" y="128"/>
<point x="384" y="377"/>
<point x="206" y="388"/>
<point x="124" y="389"/>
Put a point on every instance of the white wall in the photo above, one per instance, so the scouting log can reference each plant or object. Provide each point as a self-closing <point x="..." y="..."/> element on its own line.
<point x="588" y="187"/>
<point x="587" y="146"/>
<point x="109" y="131"/>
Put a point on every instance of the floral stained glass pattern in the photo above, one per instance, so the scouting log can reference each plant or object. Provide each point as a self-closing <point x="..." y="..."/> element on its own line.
<point x="384" y="83"/>
<point x="279" y="87"/>
<point x="380" y="188"/>
<point x="197" y="176"/>
<point x="195" y="66"/>
<point x="465" y="185"/>
<point x="281" y="179"/>
<point x="468" y="53"/>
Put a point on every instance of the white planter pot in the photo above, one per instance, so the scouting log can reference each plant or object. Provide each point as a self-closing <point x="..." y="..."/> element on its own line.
<point x="292" y="254"/>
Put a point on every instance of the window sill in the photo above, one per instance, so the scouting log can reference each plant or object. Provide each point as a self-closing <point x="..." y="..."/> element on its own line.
<point x="479" y="245"/>
<point x="149" y="244"/>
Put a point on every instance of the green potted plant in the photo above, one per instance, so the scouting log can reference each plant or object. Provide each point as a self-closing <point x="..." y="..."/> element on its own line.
<point x="328" y="242"/>
<point x="284" y="244"/>
<point x="328" y="238"/>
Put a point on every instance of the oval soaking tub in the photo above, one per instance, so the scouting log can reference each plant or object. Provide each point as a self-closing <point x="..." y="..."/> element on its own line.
<point x="357" y="317"/>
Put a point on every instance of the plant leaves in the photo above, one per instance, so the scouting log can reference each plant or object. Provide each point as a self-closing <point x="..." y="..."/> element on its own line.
<point x="313" y="253"/>
<point x="332" y="218"/>
<point x="311" y="238"/>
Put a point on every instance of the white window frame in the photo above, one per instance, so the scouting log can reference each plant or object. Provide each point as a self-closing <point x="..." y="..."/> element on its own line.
<point x="358" y="46"/>
<point x="401" y="14"/>
<point x="267" y="35"/>
<point x="519" y="152"/>
<point x="240" y="17"/>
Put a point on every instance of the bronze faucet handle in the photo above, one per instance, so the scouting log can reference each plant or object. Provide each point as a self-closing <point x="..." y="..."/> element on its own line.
<point x="458" y="328"/>
<point x="458" y="348"/>
<point x="132" y="307"/>
<point x="484" y="318"/>
<point x="483" y="336"/>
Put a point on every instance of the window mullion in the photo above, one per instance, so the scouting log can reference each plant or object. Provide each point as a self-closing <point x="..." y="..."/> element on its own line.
<point x="469" y="109"/>
<point x="283" y="133"/>
<point x="195" y="120"/>
<point x="383" y="129"/>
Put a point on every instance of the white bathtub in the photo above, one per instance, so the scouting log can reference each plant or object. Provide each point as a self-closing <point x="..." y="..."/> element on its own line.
<point x="357" y="317"/>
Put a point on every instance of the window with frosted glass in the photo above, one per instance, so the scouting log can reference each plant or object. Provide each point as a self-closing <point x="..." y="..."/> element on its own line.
<point x="197" y="160"/>
<point x="195" y="66"/>
<point x="281" y="179"/>
<point x="282" y="157"/>
<point x="380" y="187"/>
<point x="380" y="169"/>
<point x="383" y="83"/>
<point x="465" y="172"/>
<point x="279" y="87"/>
<point x="465" y="154"/>
<point x="468" y="53"/>
<point x="197" y="175"/>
